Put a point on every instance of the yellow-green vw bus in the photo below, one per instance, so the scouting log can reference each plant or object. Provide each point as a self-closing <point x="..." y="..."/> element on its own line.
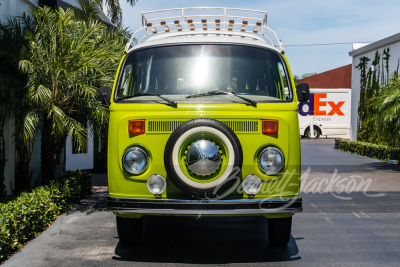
<point x="204" y="122"/>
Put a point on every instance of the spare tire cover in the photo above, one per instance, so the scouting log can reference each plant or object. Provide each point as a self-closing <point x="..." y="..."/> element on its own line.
<point x="203" y="157"/>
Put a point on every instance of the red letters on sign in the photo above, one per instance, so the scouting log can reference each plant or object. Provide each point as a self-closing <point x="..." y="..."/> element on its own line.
<point x="335" y="108"/>
<point x="318" y="104"/>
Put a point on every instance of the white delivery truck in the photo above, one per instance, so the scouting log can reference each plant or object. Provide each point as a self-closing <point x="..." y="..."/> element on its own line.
<point x="327" y="113"/>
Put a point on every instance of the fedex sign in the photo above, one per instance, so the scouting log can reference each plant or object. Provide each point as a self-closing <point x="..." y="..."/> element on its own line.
<point x="316" y="106"/>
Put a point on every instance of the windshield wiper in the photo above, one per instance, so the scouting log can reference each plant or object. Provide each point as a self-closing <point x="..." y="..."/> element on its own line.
<point x="171" y="102"/>
<point x="249" y="101"/>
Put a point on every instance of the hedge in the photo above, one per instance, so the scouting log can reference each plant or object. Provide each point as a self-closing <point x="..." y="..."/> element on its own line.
<point x="367" y="149"/>
<point x="23" y="218"/>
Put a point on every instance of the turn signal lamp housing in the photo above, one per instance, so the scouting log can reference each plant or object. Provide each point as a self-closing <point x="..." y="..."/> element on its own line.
<point x="137" y="127"/>
<point x="270" y="127"/>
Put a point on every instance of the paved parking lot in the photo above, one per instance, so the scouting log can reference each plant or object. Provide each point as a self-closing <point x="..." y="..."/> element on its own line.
<point x="351" y="218"/>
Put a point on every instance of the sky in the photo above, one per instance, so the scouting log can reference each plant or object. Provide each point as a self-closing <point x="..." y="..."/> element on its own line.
<point x="303" y="22"/>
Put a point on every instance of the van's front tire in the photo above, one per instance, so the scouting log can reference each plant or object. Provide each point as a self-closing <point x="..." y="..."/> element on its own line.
<point x="279" y="231"/>
<point x="129" y="230"/>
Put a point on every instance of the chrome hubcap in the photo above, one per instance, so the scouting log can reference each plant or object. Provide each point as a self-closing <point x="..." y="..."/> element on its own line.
<point x="203" y="157"/>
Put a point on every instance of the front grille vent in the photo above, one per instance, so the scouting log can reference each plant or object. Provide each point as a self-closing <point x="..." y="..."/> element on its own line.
<point x="163" y="126"/>
<point x="168" y="126"/>
<point x="242" y="126"/>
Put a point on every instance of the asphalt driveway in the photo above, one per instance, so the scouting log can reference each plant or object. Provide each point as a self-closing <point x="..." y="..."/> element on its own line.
<point x="340" y="226"/>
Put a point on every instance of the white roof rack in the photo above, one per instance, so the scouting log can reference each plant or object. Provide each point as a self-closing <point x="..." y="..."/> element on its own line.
<point x="205" y="20"/>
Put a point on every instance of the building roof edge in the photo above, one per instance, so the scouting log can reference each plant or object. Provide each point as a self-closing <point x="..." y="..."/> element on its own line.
<point x="375" y="45"/>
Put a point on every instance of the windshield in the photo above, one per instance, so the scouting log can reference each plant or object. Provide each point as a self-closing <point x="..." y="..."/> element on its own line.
<point x="186" y="70"/>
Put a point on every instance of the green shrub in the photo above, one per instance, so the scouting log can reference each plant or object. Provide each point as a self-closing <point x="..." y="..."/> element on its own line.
<point x="367" y="149"/>
<point x="31" y="212"/>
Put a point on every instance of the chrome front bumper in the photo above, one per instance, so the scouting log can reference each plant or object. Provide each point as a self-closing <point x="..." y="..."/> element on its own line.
<point x="212" y="207"/>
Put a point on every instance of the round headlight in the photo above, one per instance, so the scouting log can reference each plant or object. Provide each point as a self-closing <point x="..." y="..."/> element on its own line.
<point x="156" y="184"/>
<point x="135" y="160"/>
<point x="251" y="184"/>
<point x="271" y="160"/>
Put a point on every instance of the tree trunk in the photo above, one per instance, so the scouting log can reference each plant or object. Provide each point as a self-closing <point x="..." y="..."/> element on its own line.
<point x="51" y="148"/>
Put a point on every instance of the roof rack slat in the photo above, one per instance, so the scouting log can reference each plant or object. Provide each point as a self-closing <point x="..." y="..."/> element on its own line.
<point x="230" y="26"/>
<point x="217" y="24"/>
<point x="204" y="22"/>
<point x="244" y="25"/>
<point x="165" y="26"/>
<point x="178" y="26"/>
<point x="191" y="25"/>
<point x="257" y="27"/>
<point x="152" y="28"/>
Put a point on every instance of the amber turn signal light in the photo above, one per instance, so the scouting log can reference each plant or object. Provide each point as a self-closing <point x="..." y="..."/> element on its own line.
<point x="270" y="127"/>
<point x="136" y="127"/>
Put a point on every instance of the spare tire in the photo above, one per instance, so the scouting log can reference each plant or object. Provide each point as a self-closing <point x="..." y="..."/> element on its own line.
<point x="203" y="157"/>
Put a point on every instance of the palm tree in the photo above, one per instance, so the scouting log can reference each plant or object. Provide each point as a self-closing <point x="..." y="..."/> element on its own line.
<point x="114" y="9"/>
<point x="66" y="61"/>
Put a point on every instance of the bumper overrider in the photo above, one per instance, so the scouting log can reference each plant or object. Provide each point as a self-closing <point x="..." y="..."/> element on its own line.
<point x="204" y="206"/>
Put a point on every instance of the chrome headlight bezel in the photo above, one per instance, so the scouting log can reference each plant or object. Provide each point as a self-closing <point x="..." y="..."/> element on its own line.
<point x="127" y="168"/>
<point x="265" y="150"/>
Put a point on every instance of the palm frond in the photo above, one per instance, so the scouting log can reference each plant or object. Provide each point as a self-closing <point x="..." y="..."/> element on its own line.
<point x="88" y="11"/>
<point x="31" y="123"/>
<point x="60" y="121"/>
<point x="79" y="135"/>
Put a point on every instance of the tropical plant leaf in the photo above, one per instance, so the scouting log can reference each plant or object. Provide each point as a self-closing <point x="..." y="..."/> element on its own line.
<point x="31" y="123"/>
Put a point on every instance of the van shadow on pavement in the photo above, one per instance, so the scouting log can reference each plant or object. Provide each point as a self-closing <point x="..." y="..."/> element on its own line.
<point x="206" y="240"/>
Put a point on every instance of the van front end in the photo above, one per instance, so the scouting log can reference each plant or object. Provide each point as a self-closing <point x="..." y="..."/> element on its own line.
<point x="204" y="124"/>
<point x="249" y="189"/>
<point x="128" y="191"/>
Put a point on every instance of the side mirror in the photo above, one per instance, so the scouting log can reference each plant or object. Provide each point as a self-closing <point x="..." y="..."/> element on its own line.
<point x="303" y="92"/>
<point x="105" y="95"/>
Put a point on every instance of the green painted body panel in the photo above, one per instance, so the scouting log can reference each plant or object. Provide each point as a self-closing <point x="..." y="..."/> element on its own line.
<point x="245" y="119"/>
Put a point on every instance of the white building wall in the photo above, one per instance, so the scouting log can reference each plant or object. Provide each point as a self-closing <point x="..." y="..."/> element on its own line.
<point x="36" y="161"/>
<point x="356" y="77"/>
<point x="12" y="8"/>
<point x="81" y="161"/>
